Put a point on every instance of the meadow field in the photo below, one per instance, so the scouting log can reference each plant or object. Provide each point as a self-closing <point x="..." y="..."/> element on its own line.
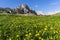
<point x="17" y="27"/>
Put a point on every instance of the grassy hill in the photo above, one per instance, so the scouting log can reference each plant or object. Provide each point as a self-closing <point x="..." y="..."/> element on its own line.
<point x="17" y="27"/>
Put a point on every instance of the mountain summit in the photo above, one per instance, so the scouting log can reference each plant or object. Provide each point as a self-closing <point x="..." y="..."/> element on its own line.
<point x="22" y="9"/>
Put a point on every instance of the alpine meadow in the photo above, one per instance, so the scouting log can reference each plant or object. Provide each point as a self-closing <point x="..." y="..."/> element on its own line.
<point x="29" y="19"/>
<point x="18" y="27"/>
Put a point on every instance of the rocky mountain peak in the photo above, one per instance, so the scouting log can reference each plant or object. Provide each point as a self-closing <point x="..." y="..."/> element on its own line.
<point x="23" y="6"/>
<point x="22" y="9"/>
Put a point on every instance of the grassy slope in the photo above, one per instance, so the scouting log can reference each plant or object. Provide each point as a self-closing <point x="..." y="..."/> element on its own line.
<point x="13" y="25"/>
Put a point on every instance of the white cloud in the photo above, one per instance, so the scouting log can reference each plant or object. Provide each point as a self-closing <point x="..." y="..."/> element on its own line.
<point x="52" y="13"/>
<point x="40" y="13"/>
<point x="54" y="3"/>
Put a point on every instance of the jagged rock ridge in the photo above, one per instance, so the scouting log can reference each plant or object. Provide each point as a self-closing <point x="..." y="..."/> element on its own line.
<point x="22" y="9"/>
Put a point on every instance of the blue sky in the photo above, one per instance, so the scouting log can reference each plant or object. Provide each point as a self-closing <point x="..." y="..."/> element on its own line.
<point x="38" y="5"/>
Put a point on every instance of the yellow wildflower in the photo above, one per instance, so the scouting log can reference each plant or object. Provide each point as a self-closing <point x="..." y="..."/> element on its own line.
<point x="39" y="30"/>
<point x="37" y="34"/>
<point x="10" y="39"/>
<point x="29" y="33"/>
<point x="56" y="31"/>
<point x="45" y="28"/>
<point x="51" y="38"/>
<point x="17" y="35"/>
<point x="26" y="31"/>
<point x="24" y="39"/>
<point x="59" y="31"/>
<point x="36" y="31"/>
<point x="42" y="39"/>
<point x="39" y="37"/>
<point x="26" y="35"/>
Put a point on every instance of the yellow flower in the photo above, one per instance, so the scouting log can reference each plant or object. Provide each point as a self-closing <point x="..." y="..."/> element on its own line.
<point x="26" y="31"/>
<point x="30" y="34"/>
<point x="45" y="28"/>
<point x="24" y="39"/>
<point x="26" y="35"/>
<point x="7" y="36"/>
<point x="56" y="31"/>
<point x="59" y="31"/>
<point x="17" y="35"/>
<point x="51" y="38"/>
<point x="10" y="39"/>
<point x="42" y="39"/>
<point x="36" y="31"/>
<point x="37" y="34"/>
<point x="39" y="37"/>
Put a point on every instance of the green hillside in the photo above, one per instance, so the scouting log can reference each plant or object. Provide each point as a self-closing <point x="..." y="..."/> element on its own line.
<point x="17" y="27"/>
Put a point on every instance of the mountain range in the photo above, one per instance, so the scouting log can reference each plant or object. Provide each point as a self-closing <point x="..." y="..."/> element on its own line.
<point x="22" y="9"/>
<point x="25" y="9"/>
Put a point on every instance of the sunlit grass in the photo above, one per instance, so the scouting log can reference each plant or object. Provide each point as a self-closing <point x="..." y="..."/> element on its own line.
<point x="17" y="27"/>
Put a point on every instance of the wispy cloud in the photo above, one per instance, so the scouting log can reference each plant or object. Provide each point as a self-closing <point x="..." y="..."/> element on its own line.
<point x="51" y="13"/>
<point x="54" y="3"/>
<point x="40" y="13"/>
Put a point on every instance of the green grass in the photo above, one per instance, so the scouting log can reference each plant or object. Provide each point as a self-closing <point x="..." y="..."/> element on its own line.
<point x="17" y="27"/>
